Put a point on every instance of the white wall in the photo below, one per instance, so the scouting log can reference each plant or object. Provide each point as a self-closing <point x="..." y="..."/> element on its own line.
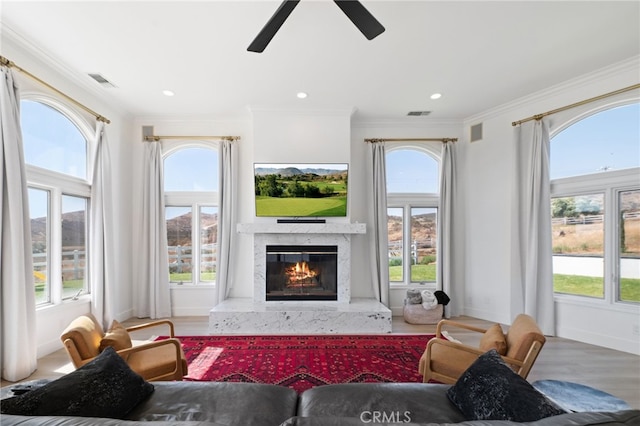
<point x="286" y="136"/>
<point x="52" y="320"/>
<point x="488" y="250"/>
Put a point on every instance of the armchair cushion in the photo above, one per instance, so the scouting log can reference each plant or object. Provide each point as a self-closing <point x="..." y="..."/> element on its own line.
<point x="490" y="390"/>
<point x="86" y="334"/>
<point x="494" y="338"/>
<point x="117" y="337"/>
<point x="521" y="335"/>
<point x="104" y="387"/>
<point x="450" y="361"/>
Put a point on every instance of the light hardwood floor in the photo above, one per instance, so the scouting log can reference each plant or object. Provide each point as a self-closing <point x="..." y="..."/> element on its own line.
<point x="617" y="373"/>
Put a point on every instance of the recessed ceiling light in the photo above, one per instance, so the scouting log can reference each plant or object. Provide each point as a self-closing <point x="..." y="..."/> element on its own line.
<point x="436" y="96"/>
<point x="301" y="95"/>
<point x="168" y="93"/>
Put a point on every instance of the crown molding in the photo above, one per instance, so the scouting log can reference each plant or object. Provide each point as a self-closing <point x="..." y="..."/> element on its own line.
<point x="407" y="123"/>
<point x="336" y="111"/>
<point x="46" y="60"/>
<point x="204" y="119"/>
<point x="630" y="64"/>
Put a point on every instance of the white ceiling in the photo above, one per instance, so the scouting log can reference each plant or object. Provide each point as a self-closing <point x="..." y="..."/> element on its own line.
<point x="478" y="54"/>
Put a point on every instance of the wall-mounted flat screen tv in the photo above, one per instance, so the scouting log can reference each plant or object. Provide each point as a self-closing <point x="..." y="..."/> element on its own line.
<point x="301" y="189"/>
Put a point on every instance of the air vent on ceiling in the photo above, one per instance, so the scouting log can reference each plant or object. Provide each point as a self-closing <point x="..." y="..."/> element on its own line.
<point x="418" y="113"/>
<point x="101" y="80"/>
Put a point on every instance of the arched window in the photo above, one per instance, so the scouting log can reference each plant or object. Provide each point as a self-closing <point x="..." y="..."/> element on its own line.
<point x="52" y="141"/>
<point x="412" y="214"/>
<point x="191" y="211"/>
<point x="56" y="151"/>
<point x="595" y="206"/>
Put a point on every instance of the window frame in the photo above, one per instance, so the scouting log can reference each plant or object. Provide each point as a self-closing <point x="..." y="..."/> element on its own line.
<point x="622" y="179"/>
<point x="411" y="200"/>
<point x="609" y="183"/>
<point x="59" y="184"/>
<point x="193" y="200"/>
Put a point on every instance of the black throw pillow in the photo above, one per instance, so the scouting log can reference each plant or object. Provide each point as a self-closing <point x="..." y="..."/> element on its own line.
<point x="490" y="390"/>
<point x="442" y="297"/>
<point x="104" y="387"/>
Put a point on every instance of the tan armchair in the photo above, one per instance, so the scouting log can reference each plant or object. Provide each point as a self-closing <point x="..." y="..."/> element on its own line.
<point x="445" y="361"/>
<point x="158" y="360"/>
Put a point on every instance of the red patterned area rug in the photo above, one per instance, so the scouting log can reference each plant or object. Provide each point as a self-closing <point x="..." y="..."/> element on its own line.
<point x="302" y="362"/>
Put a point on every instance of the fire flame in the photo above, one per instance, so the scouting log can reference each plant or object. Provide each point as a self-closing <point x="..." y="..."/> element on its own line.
<point x="301" y="274"/>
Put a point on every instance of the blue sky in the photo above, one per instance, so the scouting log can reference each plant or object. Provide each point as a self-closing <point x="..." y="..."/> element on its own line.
<point x="65" y="153"/>
<point x="406" y="172"/>
<point x="607" y="140"/>
<point x="193" y="169"/>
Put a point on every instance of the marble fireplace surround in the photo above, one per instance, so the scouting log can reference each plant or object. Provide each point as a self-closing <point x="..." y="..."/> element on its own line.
<point x="255" y="315"/>
<point x="302" y="234"/>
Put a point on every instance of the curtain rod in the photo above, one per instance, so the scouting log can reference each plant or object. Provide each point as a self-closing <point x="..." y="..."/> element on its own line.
<point x="445" y="140"/>
<point x="4" y="61"/>
<point x="158" y="138"/>
<point x="577" y="104"/>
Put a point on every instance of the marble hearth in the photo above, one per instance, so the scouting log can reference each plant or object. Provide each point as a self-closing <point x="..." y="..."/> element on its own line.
<point x="258" y="316"/>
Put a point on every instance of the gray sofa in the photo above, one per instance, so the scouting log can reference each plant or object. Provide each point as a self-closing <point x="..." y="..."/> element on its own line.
<point x="250" y="404"/>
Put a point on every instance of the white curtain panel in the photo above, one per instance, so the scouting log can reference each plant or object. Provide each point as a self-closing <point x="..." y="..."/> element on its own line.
<point x="532" y="269"/>
<point x="447" y="230"/>
<point x="18" y="320"/>
<point x="226" y="220"/>
<point x="153" y="297"/>
<point x="378" y="218"/>
<point x="101" y="232"/>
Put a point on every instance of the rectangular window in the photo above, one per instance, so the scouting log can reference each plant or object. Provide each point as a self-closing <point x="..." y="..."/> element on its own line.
<point x="578" y="244"/>
<point x="179" y="225"/>
<point x="39" y="214"/>
<point x="208" y="243"/>
<point x="396" y="238"/>
<point x="629" y="246"/>
<point x="423" y="244"/>
<point x="74" y="250"/>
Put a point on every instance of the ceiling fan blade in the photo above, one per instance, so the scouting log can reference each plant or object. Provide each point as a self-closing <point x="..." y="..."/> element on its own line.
<point x="273" y="25"/>
<point x="361" y="17"/>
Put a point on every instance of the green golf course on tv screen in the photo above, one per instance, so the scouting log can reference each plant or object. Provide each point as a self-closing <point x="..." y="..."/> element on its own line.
<point x="301" y="189"/>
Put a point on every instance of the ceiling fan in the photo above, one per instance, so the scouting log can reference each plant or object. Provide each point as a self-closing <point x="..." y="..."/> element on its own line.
<point x="355" y="11"/>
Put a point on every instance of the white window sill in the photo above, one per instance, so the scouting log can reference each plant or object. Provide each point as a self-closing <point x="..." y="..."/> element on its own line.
<point x="587" y="302"/>
<point x="175" y="286"/>
<point x="83" y="299"/>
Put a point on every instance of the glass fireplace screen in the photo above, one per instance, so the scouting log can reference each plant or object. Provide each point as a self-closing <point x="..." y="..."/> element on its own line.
<point x="302" y="272"/>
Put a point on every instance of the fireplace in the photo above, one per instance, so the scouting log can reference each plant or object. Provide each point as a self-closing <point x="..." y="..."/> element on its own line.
<point x="342" y="314"/>
<point x="301" y="272"/>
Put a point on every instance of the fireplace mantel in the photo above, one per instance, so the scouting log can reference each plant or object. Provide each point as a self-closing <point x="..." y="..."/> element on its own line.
<point x="302" y="228"/>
